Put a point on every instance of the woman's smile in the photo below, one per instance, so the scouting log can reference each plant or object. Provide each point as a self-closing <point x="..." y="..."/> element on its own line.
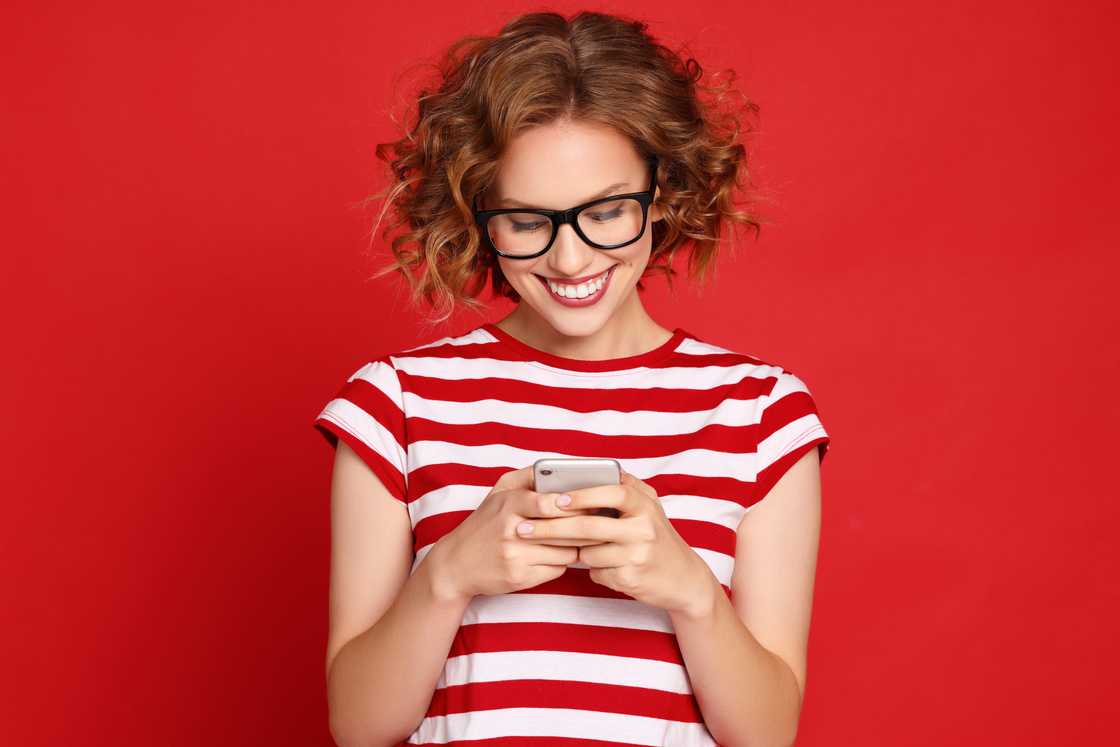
<point x="579" y="294"/>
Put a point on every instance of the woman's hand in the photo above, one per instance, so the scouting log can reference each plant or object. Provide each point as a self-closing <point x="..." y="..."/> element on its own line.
<point x="484" y="554"/>
<point x="639" y="554"/>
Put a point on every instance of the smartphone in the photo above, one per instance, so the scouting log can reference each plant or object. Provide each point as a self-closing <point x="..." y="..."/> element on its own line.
<point x="561" y="474"/>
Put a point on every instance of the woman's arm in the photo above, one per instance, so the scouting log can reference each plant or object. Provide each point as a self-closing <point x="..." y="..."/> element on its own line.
<point x="390" y="631"/>
<point x="747" y="660"/>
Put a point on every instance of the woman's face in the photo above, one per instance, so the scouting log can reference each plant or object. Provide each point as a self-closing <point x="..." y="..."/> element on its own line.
<point x="558" y="166"/>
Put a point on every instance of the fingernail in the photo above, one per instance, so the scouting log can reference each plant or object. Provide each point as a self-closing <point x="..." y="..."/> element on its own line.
<point x="525" y="527"/>
<point x="564" y="500"/>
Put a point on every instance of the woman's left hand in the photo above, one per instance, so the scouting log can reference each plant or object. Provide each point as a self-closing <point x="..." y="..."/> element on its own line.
<point x="641" y="554"/>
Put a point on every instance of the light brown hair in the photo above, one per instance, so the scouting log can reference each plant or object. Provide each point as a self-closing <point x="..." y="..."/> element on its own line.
<point x="539" y="68"/>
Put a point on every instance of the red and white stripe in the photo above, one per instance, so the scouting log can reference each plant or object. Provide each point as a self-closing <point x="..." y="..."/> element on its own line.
<point x="709" y="429"/>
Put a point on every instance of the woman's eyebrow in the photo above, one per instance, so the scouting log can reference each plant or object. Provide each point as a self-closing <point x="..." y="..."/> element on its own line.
<point x="602" y="193"/>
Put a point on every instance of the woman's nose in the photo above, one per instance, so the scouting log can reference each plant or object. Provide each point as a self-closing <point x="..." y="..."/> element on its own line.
<point x="569" y="253"/>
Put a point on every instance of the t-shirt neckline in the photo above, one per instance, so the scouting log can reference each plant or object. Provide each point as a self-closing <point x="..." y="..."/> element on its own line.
<point x="647" y="358"/>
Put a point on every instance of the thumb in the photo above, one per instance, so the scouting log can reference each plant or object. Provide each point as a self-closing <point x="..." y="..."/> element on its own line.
<point x="517" y="478"/>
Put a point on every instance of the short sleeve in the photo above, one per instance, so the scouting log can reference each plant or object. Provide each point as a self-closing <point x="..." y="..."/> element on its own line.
<point x="368" y="414"/>
<point x="789" y="426"/>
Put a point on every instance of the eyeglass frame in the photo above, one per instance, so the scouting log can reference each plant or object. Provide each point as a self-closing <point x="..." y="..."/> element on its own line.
<point x="570" y="217"/>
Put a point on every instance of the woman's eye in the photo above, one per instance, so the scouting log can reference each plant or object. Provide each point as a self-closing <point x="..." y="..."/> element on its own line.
<point x="522" y="227"/>
<point x="606" y="215"/>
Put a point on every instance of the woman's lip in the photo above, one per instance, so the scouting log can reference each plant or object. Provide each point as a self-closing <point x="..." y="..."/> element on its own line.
<point x="590" y="299"/>
<point x="575" y="281"/>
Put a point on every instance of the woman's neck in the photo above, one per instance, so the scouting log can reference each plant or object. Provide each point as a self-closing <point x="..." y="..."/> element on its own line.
<point x="630" y="331"/>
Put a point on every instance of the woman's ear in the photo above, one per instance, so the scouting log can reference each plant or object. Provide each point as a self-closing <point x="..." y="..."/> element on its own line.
<point x="656" y="212"/>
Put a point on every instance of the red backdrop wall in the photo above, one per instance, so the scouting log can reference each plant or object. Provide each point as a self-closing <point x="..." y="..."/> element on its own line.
<point x="184" y="288"/>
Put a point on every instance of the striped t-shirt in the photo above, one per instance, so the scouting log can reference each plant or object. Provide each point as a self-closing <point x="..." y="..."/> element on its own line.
<point x="710" y="430"/>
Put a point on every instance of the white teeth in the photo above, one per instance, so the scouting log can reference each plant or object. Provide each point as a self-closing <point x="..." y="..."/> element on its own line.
<point x="583" y="290"/>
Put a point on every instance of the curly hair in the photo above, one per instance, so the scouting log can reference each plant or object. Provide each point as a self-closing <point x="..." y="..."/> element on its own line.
<point x="540" y="68"/>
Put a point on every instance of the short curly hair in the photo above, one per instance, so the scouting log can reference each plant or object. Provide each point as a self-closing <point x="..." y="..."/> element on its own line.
<point x="540" y="68"/>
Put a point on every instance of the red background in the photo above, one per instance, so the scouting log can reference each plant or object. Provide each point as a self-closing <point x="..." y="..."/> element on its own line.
<point x="185" y="289"/>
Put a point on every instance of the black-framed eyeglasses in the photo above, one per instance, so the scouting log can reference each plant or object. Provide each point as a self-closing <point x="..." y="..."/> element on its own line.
<point x="606" y="223"/>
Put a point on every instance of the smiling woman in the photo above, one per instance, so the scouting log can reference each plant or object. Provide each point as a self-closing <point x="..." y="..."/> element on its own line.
<point x="565" y="160"/>
<point x="614" y="223"/>
<point x="606" y="101"/>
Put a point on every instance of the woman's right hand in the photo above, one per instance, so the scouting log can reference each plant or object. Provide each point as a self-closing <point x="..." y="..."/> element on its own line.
<point x="485" y="555"/>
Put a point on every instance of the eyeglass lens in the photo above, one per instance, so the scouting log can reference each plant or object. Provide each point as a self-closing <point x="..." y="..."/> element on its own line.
<point x="614" y="222"/>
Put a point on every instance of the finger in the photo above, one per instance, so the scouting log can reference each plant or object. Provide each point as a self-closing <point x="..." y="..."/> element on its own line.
<point x="628" y="479"/>
<point x="595" y="528"/>
<point x="551" y="555"/>
<point x="558" y="541"/>
<point x="613" y="500"/>
<point x="607" y="555"/>
<point x="532" y="505"/>
<point x="515" y="478"/>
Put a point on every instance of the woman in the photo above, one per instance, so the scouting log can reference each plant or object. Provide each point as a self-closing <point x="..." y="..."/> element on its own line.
<point x="564" y="159"/>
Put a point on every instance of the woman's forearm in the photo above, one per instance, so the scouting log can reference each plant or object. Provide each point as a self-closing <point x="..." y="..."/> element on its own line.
<point x="381" y="682"/>
<point x="748" y="696"/>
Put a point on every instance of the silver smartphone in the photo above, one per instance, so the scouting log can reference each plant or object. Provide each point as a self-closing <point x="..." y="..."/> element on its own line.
<point x="560" y="474"/>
